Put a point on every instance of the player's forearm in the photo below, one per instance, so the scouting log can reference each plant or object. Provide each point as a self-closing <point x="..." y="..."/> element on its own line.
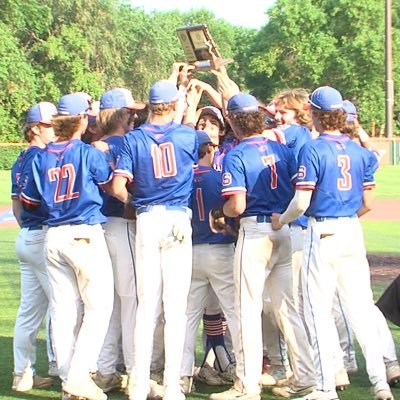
<point x="17" y="209"/>
<point x="297" y="207"/>
<point x="366" y="204"/>
<point x="117" y="189"/>
<point x="235" y="206"/>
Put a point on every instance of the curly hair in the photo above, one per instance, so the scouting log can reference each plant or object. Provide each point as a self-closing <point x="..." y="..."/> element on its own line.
<point x="295" y="99"/>
<point x="330" y="120"/>
<point x="160" y="109"/>
<point x="249" y="123"/>
<point x="65" y="126"/>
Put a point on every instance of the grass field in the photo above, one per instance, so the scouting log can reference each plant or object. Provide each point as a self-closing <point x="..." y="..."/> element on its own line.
<point x="380" y="237"/>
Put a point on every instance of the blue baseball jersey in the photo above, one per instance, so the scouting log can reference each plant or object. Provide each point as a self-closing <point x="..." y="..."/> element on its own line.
<point x="338" y="170"/>
<point x="295" y="137"/>
<point x="160" y="160"/>
<point x="226" y="146"/>
<point x="19" y="172"/>
<point x="113" y="207"/>
<point x="65" y="177"/>
<point x="264" y="169"/>
<point x="205" y="197"/>
<point x="15" y="175"/>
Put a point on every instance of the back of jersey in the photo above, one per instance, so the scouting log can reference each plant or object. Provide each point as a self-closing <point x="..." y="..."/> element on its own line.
<point x="66" y="177"/>
<point x="338" y="170"/>
<point x="264" y="169"/>
<point x="160" y="159"/>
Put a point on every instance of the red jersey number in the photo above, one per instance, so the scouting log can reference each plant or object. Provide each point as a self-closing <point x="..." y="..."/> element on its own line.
<point x="344" y="183"/>
<point x="164" y="161"/>
<point x="58" y="174"/>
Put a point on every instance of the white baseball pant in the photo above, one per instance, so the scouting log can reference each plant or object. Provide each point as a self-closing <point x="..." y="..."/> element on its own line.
<point x="35" y="294"/>
<point x="264" y="256"/>
<point x="120" y="237"/>
<point x="81" y="280"/>
<point x="163" y="273"/>
<point x="212" y="268"/>
<point x="335" y="258"/>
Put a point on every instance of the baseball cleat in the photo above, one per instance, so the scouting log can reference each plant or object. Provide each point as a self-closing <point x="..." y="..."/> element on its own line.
<point x="229" y="375"/>
<point x="384" y="394"/>
<point x="342" y="380"/>
<point x="292" y="391"/>
<point x="108" y="382"/>
<point x="84" y="388"/>
<point x="320" y="395"/>
<point x="25" y="382"/>
<point x="393" y="373"/>
<point x="267" y="380"/>
<point x="234" y="394"/>
<point x="209" y="376"/>
<point x="187" y="384"/>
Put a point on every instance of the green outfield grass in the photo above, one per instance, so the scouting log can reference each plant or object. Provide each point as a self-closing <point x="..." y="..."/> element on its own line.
<point x="388" y="182"/>
<point x="382" y="236"/>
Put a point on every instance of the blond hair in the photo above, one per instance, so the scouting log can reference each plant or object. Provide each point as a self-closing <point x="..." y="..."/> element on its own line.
<point x="295" y="100"/>
<point x="110" y="120"/>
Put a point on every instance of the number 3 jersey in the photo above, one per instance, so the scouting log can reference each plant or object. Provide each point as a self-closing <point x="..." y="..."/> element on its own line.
<point x="338" y="170"/>
<point x="160" y="160"/>
<point x="65" y="177"/>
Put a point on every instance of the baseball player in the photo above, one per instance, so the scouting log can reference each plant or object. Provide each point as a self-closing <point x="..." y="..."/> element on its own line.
<point x="159" y="157"/>
<point x="212" y="260"/>
<point x="65" y="180"/>
<point x="333" y="182"/>
<point x="117" y="112"/>
<point x="29" y="247"/>
<point x="256" y="180"/>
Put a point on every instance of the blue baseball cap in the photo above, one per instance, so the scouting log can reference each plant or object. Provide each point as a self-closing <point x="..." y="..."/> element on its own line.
<point x="326" y="98"/>
<point x="42" y="112"/>
<point x="242" y="103"/>
<point x="72" y="104"/>
<point x="351" y="110"/>
<point x="119" y="98"/>
<point x="163" y="91"/>
<point x="203" y="138"/>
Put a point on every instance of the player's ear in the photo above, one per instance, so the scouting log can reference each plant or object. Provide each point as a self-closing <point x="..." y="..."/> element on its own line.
<point x="35" y="130"/>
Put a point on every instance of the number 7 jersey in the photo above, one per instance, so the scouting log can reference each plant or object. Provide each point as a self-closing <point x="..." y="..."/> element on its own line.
<point x="338" y="170"/>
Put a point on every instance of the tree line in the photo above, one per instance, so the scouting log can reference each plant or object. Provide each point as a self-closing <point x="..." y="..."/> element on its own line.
<point x="52" y="47"/>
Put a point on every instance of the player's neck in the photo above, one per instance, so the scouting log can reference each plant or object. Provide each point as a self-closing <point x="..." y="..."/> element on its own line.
<point x="161" y="119"/>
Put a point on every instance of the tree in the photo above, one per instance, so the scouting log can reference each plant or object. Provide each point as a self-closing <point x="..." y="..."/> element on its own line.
<point x="18" y="86"/>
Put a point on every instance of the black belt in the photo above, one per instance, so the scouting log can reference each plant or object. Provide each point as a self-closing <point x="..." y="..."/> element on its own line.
<point x="35" y="228"/>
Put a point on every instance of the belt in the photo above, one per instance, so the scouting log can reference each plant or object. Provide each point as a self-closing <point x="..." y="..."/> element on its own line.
<point x="144" y="209"/>
<point x="35" y="228"/>
<point x="263" y="218"/>
<point x="321" y="219"/>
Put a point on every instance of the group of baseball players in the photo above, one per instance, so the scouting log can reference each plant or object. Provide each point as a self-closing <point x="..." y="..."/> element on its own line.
<point x="138" y="220"/>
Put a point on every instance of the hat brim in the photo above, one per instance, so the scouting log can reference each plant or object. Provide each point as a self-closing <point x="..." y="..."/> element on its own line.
<point x="137" y="106"/>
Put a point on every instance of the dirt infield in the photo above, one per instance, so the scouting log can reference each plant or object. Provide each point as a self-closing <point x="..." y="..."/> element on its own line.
<point x="384" y="210"/>
<point x="384" y="267"/>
